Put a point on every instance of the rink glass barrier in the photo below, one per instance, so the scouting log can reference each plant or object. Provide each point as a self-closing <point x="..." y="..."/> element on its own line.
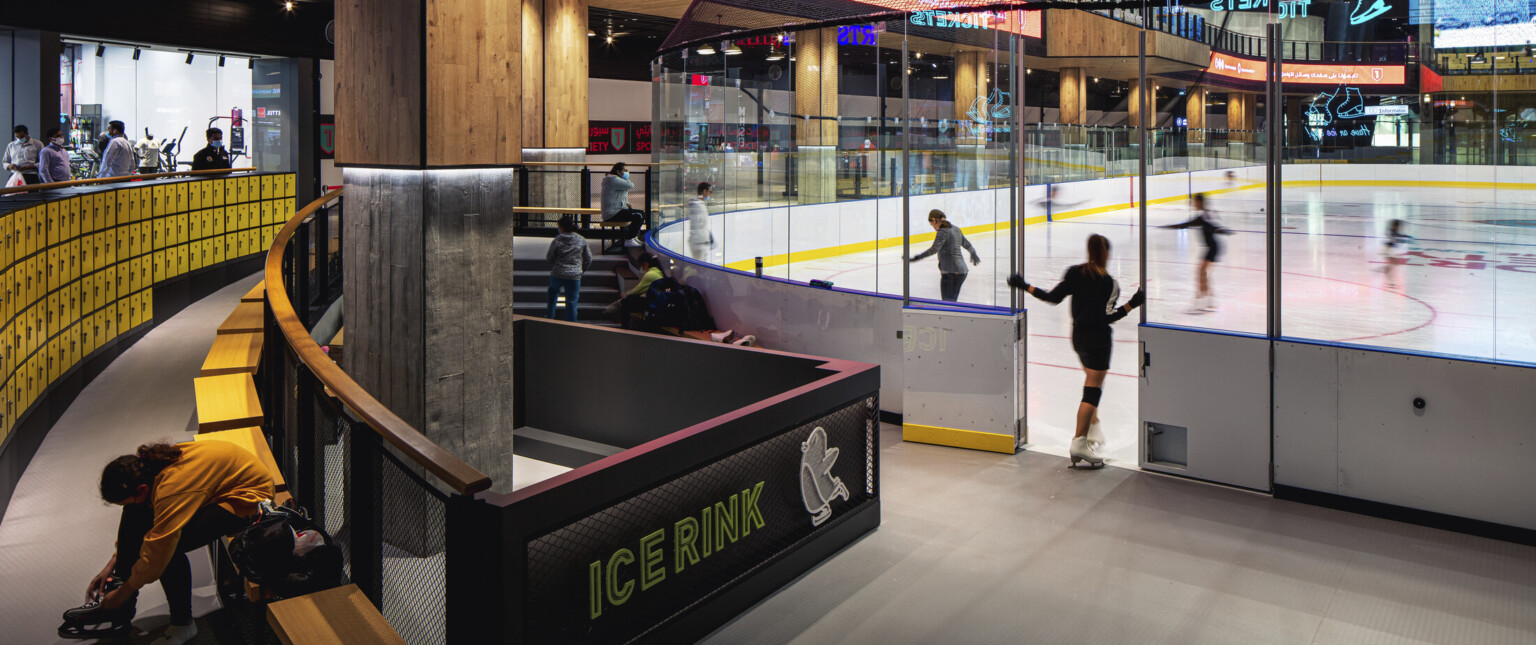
<point x="802" y="134"/>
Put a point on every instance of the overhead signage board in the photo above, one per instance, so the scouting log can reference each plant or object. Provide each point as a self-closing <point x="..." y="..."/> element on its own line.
<point x="619" y="138"/>
<point x="1476" y="23"/>
<point x="1248" y="69"/>
<point x="611" y="576"/>
<point x="936" y="13"/>
<point x="1386" y="110"/>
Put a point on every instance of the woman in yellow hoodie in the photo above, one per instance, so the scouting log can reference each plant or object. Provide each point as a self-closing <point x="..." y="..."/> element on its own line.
<point x="175" y="498"/>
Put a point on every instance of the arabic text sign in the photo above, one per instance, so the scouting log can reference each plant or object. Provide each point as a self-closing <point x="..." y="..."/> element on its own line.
<point x="1308" y="73"/>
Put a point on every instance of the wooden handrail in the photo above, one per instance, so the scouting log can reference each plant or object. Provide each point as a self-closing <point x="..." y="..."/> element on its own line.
<point x="123" y="179"/>
<point x="445" y="465"/>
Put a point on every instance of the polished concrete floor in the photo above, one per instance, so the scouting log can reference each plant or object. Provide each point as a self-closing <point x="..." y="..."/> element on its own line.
<point x="986" y="548"/>
<point x="975" y="547"/>
<point x="57" y="533"/>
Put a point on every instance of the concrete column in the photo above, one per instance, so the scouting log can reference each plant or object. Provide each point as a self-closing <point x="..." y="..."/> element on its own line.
<point x="1074" y="95"/>
<point x="30" y="62"/>
<point x="816" y="95"/>
<point x="1194" y="112"/>
<point x="427" y="276"/>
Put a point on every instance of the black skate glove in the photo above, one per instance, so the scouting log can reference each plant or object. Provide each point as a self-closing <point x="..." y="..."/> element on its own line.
<point x="1137" y="300"/>
<point x="1017" y="281"/>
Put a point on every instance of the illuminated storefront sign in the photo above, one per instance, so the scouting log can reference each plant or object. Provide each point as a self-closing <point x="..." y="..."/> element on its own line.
<point x="1308" y="73"/>
<point x="858" y="35"/>
<point x="1024" y="23"/>
<point x="1288" y="8"/>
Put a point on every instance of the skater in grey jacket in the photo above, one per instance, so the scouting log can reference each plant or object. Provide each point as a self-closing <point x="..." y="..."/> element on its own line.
<point x="947" y="243"/>
<point x="568" y="257"/>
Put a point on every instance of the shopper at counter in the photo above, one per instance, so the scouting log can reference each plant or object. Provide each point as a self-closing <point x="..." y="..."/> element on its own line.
<point x="117" y="159"/>
<point x="53" y="162"/>
<point x="214" y="156"/>
<point x="616" y="187"/>
<point x="21" y="155"/>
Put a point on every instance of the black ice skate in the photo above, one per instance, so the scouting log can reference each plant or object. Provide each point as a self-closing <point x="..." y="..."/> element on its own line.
<point x="91" y="620"/>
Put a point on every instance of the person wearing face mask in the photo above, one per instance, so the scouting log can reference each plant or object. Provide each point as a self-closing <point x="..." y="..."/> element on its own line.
<point x="699" y="236"/>
<point x="213" y="157"/>
<point x="615" y="188"/>
<point x="53" y="161"/>
<point x="117" y="158"/>
<point x="21" y="155"/>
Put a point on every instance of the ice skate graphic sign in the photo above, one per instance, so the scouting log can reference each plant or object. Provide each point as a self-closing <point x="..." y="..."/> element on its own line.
<point x="818" y="486"/>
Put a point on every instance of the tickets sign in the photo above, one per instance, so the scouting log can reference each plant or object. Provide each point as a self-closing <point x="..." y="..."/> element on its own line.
<point x="1248" y="69"/>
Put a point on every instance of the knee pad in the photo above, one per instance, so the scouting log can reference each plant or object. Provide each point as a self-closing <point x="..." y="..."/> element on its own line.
<point x="1091" y="395"/>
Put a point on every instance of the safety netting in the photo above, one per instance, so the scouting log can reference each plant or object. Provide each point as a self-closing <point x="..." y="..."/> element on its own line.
<point x="709" y="20"/>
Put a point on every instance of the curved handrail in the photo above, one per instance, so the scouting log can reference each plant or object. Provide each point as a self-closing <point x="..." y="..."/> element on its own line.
<point x="125" y="178"/>
<point x="445" y="465"/>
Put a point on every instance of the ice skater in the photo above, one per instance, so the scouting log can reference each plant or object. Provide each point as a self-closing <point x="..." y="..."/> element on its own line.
<point x="175" y="498"/>
<point x="1209" y="229"/>
<point x="947" y="243"/>
<point x="1094" y="295"/>
<point x="1397" y="242"/>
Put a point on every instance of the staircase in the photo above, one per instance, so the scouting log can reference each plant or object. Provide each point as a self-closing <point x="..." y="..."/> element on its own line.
<point x="599" y="288"/>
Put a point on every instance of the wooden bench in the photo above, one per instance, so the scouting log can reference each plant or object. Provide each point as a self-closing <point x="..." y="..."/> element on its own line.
<point x="233" y="354"/>
<point x="253" y="440"/>
<point x="340" y="616"/>
<point x="226" y="402"/>
<point x="248" y="318"/>
<point x="257" y="293"/>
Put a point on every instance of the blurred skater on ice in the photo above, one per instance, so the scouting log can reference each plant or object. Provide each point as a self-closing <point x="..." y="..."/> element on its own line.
<point x="1094" y="294"/>
<point x="1391" y="251"/>
<point x="1209" y="229"/>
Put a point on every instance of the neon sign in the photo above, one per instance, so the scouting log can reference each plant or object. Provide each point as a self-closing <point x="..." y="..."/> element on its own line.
<point x="1288" y="8"/>
<point x="985" y="109"/>
<point x="857" y="35"/>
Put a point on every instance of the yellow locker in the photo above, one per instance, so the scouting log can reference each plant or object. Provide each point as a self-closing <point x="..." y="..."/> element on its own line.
<point x="111" y="283"/>
<point x="195" y="226"/>
<point x="183" y="259"/>
<point x="195" y="196"/>
<point x="181" y="197"/>
<point x="209" y="227"/>
<point x="159" y="204"/>
<point x="130" y="283"/>
<point x="218" y="221"/>
<point x="109" y="211"/>
<point x="123" y="248"/>
<point x="87" y="336"/>
<point x="7" y="298"/>
<point x="70" y="300"/>
<point x="74" y="215"/>
<point x="229" y="218"/>
<point x="157" y="237"/>
<point x="49" y="263"/>
<point x="75" y="260"/>
<point x="109" y="318"/>
<point x="252" y="187"/>
<point x="6" y="355"/>
<point x="239" y="220"/>
<point x="109" y="242"/>
<point x="7" y="243"/>
<point x="288" y="188"/>
<point x="91" y="289"/>
<point x="266" y="186"/>
<point x="147" y="307"/>
<point x="51" y="223"/>
<point x="252" y="239"/>
<point x="124" y="314"/>
<point x="221" y="248"/>
<point x="90" y="213"/>
<point x="158" y="268"/>
<point x="37" y="238"/>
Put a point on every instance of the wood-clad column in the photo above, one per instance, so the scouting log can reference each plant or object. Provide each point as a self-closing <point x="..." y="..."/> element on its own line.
<point x="816" y="83"/>
<point x="1133" y="105"/>
<point x="1242" y="114"/>
<point x="1074" y="96"/>
<point x="424" y="89"/>
<point x="972" y="117"/>
<point x="533" y="73"/>
<point x="1194" y="112"/>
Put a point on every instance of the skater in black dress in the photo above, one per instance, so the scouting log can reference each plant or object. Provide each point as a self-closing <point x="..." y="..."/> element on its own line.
<point x="1094" y="294"/>
<point x="1209" y="229"/>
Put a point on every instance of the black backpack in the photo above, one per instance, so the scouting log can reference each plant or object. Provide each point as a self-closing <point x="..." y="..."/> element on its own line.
<point x="264" y="554"/>
<point x="670" y="303"/>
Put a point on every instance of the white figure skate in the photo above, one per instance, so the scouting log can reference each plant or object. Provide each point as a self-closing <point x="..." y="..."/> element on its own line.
<point x="1082" y="450"/>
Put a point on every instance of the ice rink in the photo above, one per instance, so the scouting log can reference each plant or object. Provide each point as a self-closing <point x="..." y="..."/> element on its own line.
<point x="1465" y="286"/>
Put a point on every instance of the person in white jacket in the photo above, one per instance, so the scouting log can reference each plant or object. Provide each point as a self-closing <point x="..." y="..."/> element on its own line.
<point x="700" y="238"/>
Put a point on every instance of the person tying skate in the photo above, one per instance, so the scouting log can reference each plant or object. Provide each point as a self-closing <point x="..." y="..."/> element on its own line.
<point x="175" y="498"/>
<point x="1209" y="229"/>
<point x="1094" y="294"/>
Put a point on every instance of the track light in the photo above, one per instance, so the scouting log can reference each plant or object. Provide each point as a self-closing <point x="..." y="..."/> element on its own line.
<point x="189" y="58"/>
<point x="100" y="50"/>
<point x="135" y="53"/>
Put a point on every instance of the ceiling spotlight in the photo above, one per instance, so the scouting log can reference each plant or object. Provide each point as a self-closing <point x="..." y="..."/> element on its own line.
<point x="591" y="33"/>
<point x="919" y="55"/>
<point x="221" y="60"/>
<point x="705" y="50"/>
<point x="288" y="5"/>
<point x="1029" y="71"/>
<point x="610" y="39"/>
<point x="135" y="53"/>
<point x="732" y="49"/>
<point x="100" y="49"/>
<point x="189" y="58"/>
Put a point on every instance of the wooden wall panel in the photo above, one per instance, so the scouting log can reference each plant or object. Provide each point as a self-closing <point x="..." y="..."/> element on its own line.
<point x="474" y="79"/>
<point x="378" y="82"/>
<point x="533" y="73"/>
<point x="565" y="93"/>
